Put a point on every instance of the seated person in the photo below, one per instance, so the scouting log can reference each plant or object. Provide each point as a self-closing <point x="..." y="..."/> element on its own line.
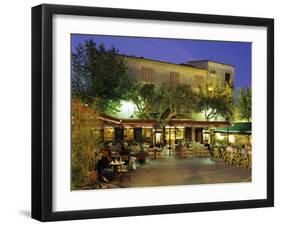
<point x="131" y="147"/>
<point x="137" y="148"/>
<point x="125" y="154"/>
<point x="117" y="147"/>
<point x="105" y="172"/>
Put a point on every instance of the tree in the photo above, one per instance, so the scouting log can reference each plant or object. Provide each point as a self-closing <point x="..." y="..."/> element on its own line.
<point x="144" y="97"/>
<point x="164" y="103"/>
<point x="85" y="140"/>
<point x="215" y="100"/>
<point x="244" y="104"/>
<point x="100" y="76"/>
<point x="179" y="100"/>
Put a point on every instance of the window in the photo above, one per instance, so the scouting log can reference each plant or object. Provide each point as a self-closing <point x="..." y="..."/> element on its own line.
<point x="128" y="134"/>
<point x="174" y="78"/>
<point x="109" y="134"/>
<point x="227" y="77"/>
<point x="179" y="133"/>
<point x="147" y="134"/>
<point x="170" y="135"/>
<point x="199" y="135"/>
<point x="212" y="71"/>
<point x="146" y="74"/>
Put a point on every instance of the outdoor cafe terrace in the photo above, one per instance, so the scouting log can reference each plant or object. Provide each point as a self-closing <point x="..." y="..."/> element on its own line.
<point x="142" y="154"/>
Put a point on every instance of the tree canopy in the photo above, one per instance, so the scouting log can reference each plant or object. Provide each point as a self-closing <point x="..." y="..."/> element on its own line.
<point x="163" y="103"/>
<point x="245" y="103"/>
<point x="216" y="100"/>
<point x="100" y="75"/>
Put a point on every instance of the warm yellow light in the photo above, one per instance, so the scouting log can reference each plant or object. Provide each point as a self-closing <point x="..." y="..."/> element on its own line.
<point x="127" y="109"/>
<point x="231" y="139"/>
<point x="206" y="136"/>
<point x="168" y="127"/>
<point x="210" y="88"/>
<point x="219" y="136"/>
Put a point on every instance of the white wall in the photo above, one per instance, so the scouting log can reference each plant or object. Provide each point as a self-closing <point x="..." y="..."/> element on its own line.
<point x="15" y="111"/>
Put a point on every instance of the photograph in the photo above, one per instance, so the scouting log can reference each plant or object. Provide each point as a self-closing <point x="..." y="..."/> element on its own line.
<point x="149" y="111"/>
<point x="145" y="112"/>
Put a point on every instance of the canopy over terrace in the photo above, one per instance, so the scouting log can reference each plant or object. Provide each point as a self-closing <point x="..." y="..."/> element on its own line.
<point x="150" y="130"/>
<point x="236" y="128"/>
<point x="238" y="133"/>
<point x="174" y="122"/>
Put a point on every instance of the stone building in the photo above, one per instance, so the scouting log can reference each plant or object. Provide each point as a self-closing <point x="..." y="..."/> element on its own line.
<point x="159" y="73"/>
<point x="224" y="72"/>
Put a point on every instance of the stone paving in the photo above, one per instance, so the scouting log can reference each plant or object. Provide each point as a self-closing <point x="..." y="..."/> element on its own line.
<point x="185" y="172"/>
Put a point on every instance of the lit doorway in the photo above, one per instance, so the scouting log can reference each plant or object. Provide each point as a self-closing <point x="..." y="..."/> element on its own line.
<point x="158" y="137"/>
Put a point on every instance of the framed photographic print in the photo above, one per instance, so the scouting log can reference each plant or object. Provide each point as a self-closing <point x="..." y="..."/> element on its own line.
<point x="145" y="112"/>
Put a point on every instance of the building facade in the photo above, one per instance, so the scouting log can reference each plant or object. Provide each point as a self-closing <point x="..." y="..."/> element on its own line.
<point x="224" y="72"/>
<point x="193" y="74"/>
<point x="161" y="73"/>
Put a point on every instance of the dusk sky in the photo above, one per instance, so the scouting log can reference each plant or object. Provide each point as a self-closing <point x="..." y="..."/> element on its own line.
<point x="181" y="51"/>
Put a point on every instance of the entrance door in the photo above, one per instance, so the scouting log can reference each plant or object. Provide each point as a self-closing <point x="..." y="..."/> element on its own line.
<point x="158" y="138"/>
<point x="199" y="135"/>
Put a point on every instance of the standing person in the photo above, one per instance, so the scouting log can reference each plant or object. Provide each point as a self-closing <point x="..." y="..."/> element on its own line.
<point x="141" y="155"/>
<point x="211" y="149"/>
<point x="164" y="142"/>
<point x="125" y="154"/>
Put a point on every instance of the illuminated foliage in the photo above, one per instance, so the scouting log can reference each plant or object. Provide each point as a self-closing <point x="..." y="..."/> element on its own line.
<point x="164" y="103"/>
<point x="85" y="140"/>
<point x="216" y="100"/>
<point x="245" y="103"/>
<point x="100" y="75"/>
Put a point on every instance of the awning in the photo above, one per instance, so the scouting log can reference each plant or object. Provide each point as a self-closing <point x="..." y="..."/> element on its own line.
<point x="237" y="128"/>
<point x="152" y="123"/>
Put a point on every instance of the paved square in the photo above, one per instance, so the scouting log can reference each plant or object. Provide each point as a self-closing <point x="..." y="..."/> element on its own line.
<point x="185" y="172"/>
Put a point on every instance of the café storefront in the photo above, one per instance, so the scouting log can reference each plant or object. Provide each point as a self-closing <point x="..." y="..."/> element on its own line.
<point x="176" y="130"/>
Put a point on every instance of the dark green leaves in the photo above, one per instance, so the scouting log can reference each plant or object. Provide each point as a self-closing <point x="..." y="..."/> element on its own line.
<point x="100" y="75"/>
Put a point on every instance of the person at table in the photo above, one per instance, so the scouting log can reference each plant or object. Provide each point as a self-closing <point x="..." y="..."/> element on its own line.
<point x="125" y="154"/>
<point x="137" y="147"/>
<point x="131" y="147"/>
<point x="105" y="172"/>
<point x="123" y="150"/>
<point x="117" y="147"/>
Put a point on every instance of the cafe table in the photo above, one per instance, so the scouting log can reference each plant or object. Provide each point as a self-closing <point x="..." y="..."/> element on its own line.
<point x="116" y="165"/>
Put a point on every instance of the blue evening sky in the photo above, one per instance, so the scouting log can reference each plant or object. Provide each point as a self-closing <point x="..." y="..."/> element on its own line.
<point x="181" y="51"/>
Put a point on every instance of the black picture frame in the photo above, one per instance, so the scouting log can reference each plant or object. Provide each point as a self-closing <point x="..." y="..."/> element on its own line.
<point x="42" y="107"/>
